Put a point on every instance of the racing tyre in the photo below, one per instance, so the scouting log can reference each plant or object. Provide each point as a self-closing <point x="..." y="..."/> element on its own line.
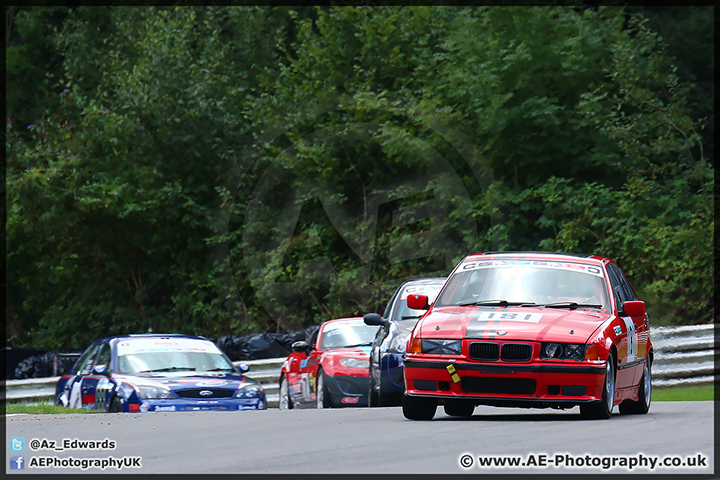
<point x="373" y="395"/>
<point x="284" y="403"/>
<point x="459" y="408"/>
<point x="115" y="405"/>
<point x="603" y="409"/>
<point x="322" y="396"/>
<point x="418" y="408"/>
<point x="642" y="405"/>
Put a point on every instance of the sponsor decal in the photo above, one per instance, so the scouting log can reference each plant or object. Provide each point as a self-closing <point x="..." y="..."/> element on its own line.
<point x="485" y="323"/>
<point x="485" y="316"/>
<point x="576" y="267"/>
<point x="103" y="386"/>
<point x="431" y="291"/>
<point x="211" y="383"/>
<point x="618" y="330"/>
<point x="144" y="345"/>
<point x="632" y="339"/>
<point x="421" y="288"/>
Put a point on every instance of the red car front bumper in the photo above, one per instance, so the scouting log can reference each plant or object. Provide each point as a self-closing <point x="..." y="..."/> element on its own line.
<point x="531" y="384"/>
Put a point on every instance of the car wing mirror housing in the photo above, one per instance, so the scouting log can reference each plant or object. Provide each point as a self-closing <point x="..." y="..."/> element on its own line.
<point x="374" y="319"/>
<point x="418" y="302"/>
<point x="243" y="368"/>
<point x="101" y="370"/>
<point x="634" y="308"/>
<point x="301" y="346"/>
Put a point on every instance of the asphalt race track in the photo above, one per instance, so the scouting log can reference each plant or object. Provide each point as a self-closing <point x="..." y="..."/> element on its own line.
<point x="375" y="440"/>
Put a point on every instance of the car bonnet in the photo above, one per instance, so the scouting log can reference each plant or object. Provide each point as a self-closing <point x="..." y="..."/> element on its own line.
<point x="184" y="381"/>
<point x="511" y="323"/>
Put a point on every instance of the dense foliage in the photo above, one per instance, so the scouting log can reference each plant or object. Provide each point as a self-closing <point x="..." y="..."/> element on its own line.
<point x="231" y="170"/>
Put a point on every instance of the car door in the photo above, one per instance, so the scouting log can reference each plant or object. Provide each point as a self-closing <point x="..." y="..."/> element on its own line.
<point x="74" y="386"/>
<point x="293" y="376"/>
<point x="641" y="326"/>
<point x="90" y="380"/>
<point x="309" y="369"/>
<point x="100" y="385"/>
<point x="628" y="355"/>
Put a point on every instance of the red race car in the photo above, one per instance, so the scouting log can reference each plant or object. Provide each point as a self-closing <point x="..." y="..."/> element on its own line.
<point x="530" y="330"/>
<point x="330" y="371"/>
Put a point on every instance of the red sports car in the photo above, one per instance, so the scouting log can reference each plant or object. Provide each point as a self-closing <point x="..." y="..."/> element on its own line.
<point x="331" y="371"/>
<point x="530" y="330"/>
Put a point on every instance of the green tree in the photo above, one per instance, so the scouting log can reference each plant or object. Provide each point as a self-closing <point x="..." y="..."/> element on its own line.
<point x="229" y="170"/>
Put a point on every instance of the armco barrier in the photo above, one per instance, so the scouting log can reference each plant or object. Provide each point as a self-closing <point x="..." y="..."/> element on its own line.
<point x="267" y="372"/>
<point x="684" y="356"/>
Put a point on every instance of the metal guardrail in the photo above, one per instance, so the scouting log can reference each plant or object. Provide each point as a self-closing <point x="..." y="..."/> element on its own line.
<point x="684" y="356"/>
<point x="29" y="389"/>
<point x="267" y="372"/>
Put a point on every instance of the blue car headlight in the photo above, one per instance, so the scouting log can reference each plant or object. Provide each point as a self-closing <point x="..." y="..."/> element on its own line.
<point x="249" y="391"/>
<point x="399" y="344"/>
<point x="153" y="392"/>
<point x="440" y="346"/>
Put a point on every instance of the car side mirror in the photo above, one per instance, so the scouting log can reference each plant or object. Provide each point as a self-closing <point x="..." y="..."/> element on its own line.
<point x="100" y="370"/>
<point x="634" y="308"/>
<point x="373" y="319"/>
<point x="300" y="346"/>
<point x="417" y="302"/>
<point x="243" y="368"/>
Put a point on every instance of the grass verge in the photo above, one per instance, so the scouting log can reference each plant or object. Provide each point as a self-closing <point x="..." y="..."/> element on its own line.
<point x="42" y="407"/>
<point x="683" y="394"/>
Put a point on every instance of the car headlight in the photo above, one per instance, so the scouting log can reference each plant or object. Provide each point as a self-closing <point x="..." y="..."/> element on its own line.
<point x="355" y="363"/>
<point x="153" y="392"/>
<point x="399" y="344"/>
<point x="439" y="346"/>
<point x="552" y="350"/>
<point x="249" y="391"/>
<point x="564" y="351"/>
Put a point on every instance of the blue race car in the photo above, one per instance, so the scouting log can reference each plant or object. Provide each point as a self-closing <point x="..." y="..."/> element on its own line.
<point x="157" y="373"/>
<point x="385" y="382"/>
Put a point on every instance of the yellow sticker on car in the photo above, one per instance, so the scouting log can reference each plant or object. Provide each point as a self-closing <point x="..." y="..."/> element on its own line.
<point x="453" y="373"/>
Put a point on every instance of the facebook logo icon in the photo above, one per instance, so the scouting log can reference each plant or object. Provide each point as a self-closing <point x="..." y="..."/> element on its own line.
<point x="17" y="462"/>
